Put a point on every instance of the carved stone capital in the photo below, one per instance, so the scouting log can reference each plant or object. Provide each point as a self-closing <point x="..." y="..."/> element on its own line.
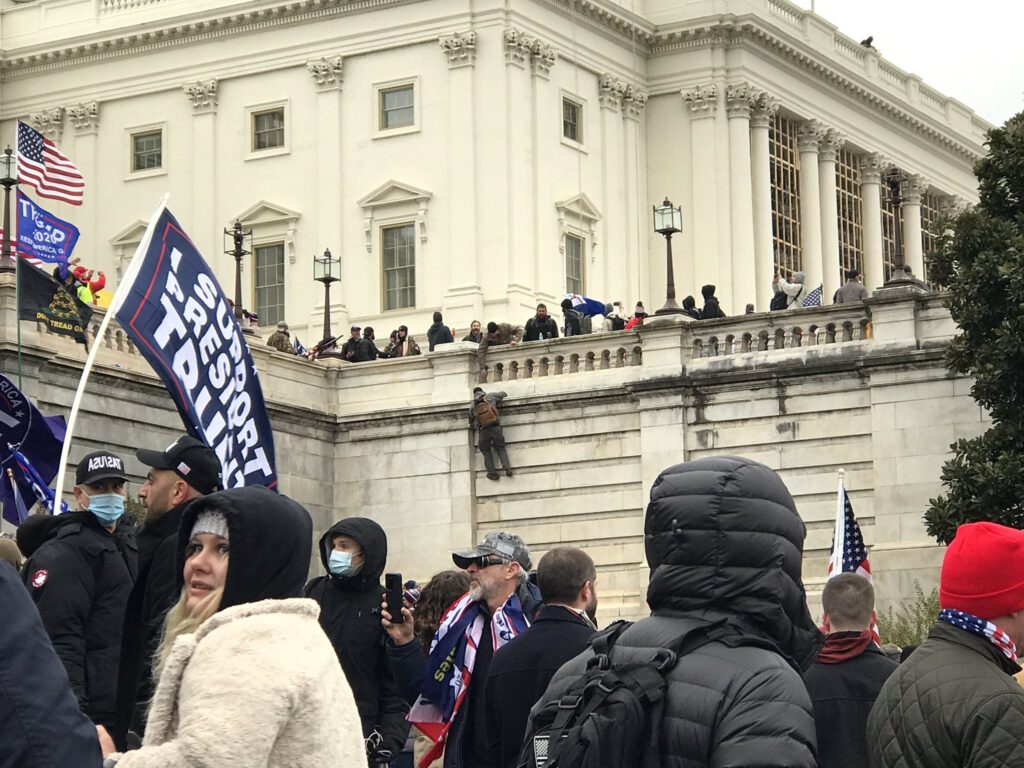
<point x="517" y="47"/>
<point x="740" y="99"/>
<point x="762" y="109"/>
<point x="611" y="92"/>
<point x="702" y="100"/>
<point x="326" y="72"/>
<point x="203" y="95"/>
<point x="49" y="122"/>
<point x="633" y="102"/>
<point x="542" y="59"/>
<point x="809" y="136"/>
<point x="914" y="187"/>
<point x="85" y="117"/>
<point x="872" y="166"/>
<point x="831" y="142"/>
<point x="459" y="49"/>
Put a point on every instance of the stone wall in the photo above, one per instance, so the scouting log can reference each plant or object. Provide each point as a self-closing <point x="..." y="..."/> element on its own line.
<point x="590" y="422"/>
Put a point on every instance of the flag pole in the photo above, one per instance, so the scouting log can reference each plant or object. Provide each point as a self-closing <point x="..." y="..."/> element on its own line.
<point x="835" y="563"/>
<point x="115" y="304"/>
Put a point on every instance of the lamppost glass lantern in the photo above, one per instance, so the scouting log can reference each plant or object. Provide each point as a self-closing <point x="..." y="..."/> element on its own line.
<point x="326" y="270"/>
<point x="668" y="220"/>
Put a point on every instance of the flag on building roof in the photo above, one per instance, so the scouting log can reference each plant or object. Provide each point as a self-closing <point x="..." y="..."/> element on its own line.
<point x="813" y="299"/>
<point x="43" y="237"/>
<point x="848" y="555"/>
<point x="299" y="349"/>
<point x="46" y="168"/>
<point x="43" y="299"/>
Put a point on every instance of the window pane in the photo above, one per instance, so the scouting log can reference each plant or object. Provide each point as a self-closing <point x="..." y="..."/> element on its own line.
<point x="147" y="150"/>
<point x="851" y="231"/>
<point x="571" y="120"/>
<point x="573" y="264"/>
<point x="268" y="129"/>
<point x="785" y="189"/>
<point x="398" y="259"/>
<point x="269" y="277"/>
<point x="397" y="108"/>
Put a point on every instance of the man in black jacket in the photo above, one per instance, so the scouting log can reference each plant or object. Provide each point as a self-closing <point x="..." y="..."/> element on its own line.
<point x="353" y="552"/>
<point x="521" y="670"/>
<point x="848" y="674"/>
<point x="485" y="418"/>
<point x="80" y="579"/>
<point x="350" y="349"/>
<point x="185" y="470"/>
<point x="439" y="333"/>
<point x="541" y="326"/>
<point x="724" y="544"/>
<point x="572" y="319"/>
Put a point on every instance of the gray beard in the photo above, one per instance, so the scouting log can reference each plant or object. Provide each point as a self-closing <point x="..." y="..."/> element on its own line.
<point x="476" y="592"/>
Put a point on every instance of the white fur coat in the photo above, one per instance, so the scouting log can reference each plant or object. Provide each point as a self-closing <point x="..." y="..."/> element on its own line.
<point x="257" y="685"/>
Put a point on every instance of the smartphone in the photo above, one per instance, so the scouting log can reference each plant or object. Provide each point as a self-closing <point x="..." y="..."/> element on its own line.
<point x="393" y="589"/>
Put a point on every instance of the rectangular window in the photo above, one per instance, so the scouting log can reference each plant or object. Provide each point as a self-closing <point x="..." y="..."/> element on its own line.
<point x="930" y="219"/>
<point x="784" y="170"/>
<point x="573" y="264"/>
<point x="397" y="108"/>
<point x="269" y="276"/>
<point x="268" y="130"/>
<point x="572" y="120"/>
<point x="147" y="150"/>
<point x="398" y="252"/>
<point x="851" y="230"/>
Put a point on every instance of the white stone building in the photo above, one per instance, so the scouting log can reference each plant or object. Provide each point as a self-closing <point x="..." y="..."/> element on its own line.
<point x="478" y="158"/>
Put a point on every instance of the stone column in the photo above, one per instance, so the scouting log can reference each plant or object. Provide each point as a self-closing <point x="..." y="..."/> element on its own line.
<point x="615" y="249"/>
<point x="738" y="102"/>
<point x="637" y="233"/>
<point x="761" y="114"/>
<point x="85" y="118"/>
<point x="546" y="113"/>
<point x="808" y="140"/>
<point x="463" y="296"/>
<point x="871" y="168"/>
<point x="206" y="231"/>
<point x="914" y="187"/>
<point x="831" y="143"/>
<point x="706" y="256"/>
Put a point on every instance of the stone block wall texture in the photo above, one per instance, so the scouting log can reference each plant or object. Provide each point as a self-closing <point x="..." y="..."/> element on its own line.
<point x="590" y="422"/>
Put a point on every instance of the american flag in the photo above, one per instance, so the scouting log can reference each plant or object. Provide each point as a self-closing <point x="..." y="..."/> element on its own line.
<point x="43" y="166"/>
<point x="813" y="299"/>
<point x="849" y="555"/>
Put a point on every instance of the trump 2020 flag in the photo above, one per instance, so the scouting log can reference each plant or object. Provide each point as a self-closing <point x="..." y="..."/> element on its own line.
<point x="848" y="555"/>
<point x="43" y="237"/>
<point x="177" y="315"/>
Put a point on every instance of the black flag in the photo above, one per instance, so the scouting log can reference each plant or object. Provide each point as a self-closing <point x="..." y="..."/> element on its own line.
<point x="44" y="299"/>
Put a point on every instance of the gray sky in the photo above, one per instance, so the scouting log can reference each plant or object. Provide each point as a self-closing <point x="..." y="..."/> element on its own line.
<point x="971" y="51"/>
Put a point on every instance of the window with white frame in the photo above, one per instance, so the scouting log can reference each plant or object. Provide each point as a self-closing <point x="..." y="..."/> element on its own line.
<point x="268" y="129"/>
<point x="398" y="264"/>
<point x="269" y="283"/>
<point x="147" y="150"/>
<point x="572" y="120"/>
<point x="397" y="107"/>
<point x="573" y="264"/>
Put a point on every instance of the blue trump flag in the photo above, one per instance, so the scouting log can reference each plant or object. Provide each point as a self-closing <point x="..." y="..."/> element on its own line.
<point x="41" y="488"/>
<point x="177" y="315"/>
<point x="42" y="237"/>
<point x="36" y="437"/>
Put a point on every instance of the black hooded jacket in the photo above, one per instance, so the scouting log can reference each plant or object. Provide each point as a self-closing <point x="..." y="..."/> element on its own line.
<point x="712" y="308"/>
<point x="350" y="615"/>
<point x="724" y="542"/>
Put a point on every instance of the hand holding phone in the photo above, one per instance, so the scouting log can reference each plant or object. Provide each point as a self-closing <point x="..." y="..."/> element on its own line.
<point x="393" y="590"/>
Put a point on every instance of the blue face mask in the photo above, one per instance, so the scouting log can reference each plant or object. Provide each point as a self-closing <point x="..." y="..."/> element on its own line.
<point x="340" y="564"/>
<point x="107" y="507"/>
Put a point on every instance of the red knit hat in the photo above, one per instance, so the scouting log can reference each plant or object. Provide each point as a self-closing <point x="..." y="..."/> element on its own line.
<point x="983" y="571"/>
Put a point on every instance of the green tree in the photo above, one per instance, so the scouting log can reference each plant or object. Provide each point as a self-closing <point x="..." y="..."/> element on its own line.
<point x="980" y="256"/>
<point x="910" y="625"/>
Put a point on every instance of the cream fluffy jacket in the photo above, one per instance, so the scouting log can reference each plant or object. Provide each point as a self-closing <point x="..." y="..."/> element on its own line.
<point x="257" y="685"/>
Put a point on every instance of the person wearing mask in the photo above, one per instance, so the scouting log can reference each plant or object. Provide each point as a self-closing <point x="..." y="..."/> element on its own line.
<point x="246" y="675"/>
<point x="353" y="552"/>
<point x="712" y="309"/>
<point x="438" y="333"/>
<point x="179" y="474"/>
<point x="690" y="308"/>
<point x="572" y="319"/>
<point x="541" y="326"/>
<point x="475" y="335"/>
<point x="80" y="578"/>
<point x="403" y="344"/>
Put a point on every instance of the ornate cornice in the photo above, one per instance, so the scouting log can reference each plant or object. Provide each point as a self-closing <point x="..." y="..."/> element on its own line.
<point x="326" y="72"/>
<point x="831" y="142"/>
<point x="610" y="92"/>
<point x="85" y="117"/>
<point x="459" y="49"/>
<point x="809" y="135"/>
<point x="49" y="122"/>
<point x="763" y="109"/>
<point x="740" y="99"/>
<point x="203" y="95"/>
<point x="872" y="166"/>
<point x="702" y="100"/>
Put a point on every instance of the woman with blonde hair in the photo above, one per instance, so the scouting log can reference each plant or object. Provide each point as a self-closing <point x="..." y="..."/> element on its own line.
<point x="246" y="675"/>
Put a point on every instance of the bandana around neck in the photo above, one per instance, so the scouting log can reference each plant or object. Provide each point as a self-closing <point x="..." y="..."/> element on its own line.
<point x="970" y="623"/>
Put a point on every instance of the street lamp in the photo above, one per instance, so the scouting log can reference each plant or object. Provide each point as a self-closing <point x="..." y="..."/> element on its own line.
<point x="326" y="270"/>
<point x="894" y="185"/>
<point x="8" y="181"/>
<point x="237" y="249"/>
<point x="667" y="221"/>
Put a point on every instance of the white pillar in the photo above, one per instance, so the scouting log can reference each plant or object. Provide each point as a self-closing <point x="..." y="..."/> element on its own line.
<point x="546" y="118"/>
<point x="738" y="102"/>
<point x="913" y="248"/>
<point x="871" y="169"/>
<point x="205" y="230"/>
<point x="614" y="250"/>
<point x="831" y="143"/>
<point x="703" y="103"/>
<point x="761" y="192"/>
<point x="635" y="188"/>
<point x="808" y="138"/>
<point x="85" y="118"/>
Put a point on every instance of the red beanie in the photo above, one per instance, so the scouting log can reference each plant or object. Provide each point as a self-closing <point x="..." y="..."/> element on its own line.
<point x="983" y="571"/>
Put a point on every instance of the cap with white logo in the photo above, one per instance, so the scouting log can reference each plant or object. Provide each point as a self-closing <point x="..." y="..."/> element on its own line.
<point x="100" y="465"/>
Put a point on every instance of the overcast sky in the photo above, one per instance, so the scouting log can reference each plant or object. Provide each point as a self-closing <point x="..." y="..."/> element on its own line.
<point x="972" y="51"/>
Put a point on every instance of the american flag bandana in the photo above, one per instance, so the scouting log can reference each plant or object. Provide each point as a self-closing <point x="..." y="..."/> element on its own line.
<point x="971" y="623"/>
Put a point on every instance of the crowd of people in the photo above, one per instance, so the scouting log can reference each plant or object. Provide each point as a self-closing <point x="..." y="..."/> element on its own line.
<point x="194" y="638"/>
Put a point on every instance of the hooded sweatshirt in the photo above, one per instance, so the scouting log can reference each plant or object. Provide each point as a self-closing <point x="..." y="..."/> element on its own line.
<point x="350" y="615"/>
<point x="712" y="309"/>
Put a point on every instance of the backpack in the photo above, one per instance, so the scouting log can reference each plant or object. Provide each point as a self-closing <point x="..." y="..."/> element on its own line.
<point x="611" y="714"/>
<point x="618" y="324"/>
<point x="586" y="324"/>
<point x="778" y="301"/>
<point x="485" y="413"/>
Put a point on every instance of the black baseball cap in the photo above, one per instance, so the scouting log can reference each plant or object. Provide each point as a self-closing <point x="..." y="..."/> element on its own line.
<point x="99" y="465"/>
<point x="192" y="460"/>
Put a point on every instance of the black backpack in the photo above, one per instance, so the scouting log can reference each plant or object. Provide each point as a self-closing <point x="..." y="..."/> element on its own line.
<point x="611" y="715"/>
<point x="618" y="324"/>
<point x="778" y="301"/>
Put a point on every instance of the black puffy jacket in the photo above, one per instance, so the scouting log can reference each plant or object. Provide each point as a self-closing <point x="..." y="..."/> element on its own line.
<point x="350" y="615"/>
<point x="724" y="541"/>
<point x="80" y="578"/>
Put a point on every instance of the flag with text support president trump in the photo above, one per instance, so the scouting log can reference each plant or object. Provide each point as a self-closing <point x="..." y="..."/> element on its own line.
<point x="176" y="313"/>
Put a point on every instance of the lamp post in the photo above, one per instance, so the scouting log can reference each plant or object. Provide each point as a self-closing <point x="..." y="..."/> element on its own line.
<point x="326" y="270"/>
<point x="894" y="185"/>
<point x="8" y="181"/>
<point x="667" y="221"/>
<point x="237" y="249"/>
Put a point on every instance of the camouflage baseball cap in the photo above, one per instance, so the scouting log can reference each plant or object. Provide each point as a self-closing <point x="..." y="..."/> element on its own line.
<point x="508" y="546"/>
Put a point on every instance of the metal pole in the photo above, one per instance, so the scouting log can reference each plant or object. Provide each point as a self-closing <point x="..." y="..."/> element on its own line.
<point x="327" y="309"/>
<point x="671" y="307"/>
<point x="238" y="240"/>
<point x="6" y="257"/>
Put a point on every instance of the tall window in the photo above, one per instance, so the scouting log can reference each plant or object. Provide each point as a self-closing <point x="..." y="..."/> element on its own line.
<point x="268" y="129"/>
<point x="785" y="180"/>
<point x="892" y="230"/>
<point x="572" y="120"/>
<point x="397" y="108"/>
<point x="147" y="150"/>
<point x="399" y="262"/>
<point x="930" y="214"/>
<point x="851" y="229"/>
<point x="573" y="264"/>
<point x="270" y="283"/>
